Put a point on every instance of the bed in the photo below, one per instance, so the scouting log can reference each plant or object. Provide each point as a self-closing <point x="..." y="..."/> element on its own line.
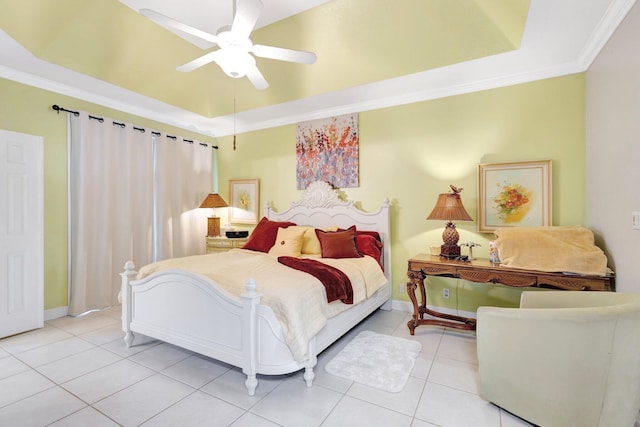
<point x="193" y="311"/>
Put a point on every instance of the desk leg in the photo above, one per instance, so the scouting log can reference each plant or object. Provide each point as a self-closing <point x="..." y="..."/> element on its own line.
<point x="416" y="278"/>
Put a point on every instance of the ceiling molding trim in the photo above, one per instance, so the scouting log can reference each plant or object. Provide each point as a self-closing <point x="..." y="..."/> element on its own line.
<point x="244" y="122"/>
<point x="323" y="106"/>
<point x="607" y="26"/>
<point x="312" y="108"/>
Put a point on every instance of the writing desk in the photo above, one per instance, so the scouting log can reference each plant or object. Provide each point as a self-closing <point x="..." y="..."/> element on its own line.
<point x="484" y="271"/>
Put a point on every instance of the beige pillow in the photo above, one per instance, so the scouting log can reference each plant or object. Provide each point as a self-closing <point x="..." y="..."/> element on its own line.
<point x="310" y="242"/>
<point x="288" y="242"/>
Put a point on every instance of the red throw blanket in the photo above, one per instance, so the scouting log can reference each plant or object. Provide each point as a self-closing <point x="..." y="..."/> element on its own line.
<point x="336" y="283"/>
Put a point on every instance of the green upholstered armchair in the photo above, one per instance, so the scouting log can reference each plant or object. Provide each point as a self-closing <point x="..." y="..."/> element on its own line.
<point x="563" y="358"/>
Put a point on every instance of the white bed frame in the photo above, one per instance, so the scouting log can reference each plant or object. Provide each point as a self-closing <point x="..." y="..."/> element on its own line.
<point x="193" y="312"/>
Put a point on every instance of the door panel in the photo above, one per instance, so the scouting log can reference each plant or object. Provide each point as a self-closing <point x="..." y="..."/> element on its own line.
<point x="21" y="233"/>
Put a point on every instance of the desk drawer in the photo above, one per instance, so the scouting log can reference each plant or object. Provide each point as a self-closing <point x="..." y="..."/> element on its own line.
<point x="438" y="270"/>
<point x="574" y="283"/>
<point x="480" y="276"/>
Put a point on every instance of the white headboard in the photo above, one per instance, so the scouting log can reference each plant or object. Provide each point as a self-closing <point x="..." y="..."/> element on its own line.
<point x="320" y="206"/>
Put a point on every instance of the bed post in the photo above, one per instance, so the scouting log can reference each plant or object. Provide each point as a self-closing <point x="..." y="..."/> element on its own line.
<point x="386" y="251"/>
<point x="125" y="293"/>
<point x="309" y="375"/>
<point x="250" y="301"/>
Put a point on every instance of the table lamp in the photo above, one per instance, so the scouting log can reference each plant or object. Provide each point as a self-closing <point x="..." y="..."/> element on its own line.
<point x="213" y="200"/>
<point x="449" y="208"/>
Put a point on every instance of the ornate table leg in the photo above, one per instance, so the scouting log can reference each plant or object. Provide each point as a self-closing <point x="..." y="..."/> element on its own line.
<point x="416" y="278"/>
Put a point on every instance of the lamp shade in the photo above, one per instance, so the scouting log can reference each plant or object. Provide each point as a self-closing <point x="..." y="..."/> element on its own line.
<point x="213" y="200"/>
<point x="449" y="208"/>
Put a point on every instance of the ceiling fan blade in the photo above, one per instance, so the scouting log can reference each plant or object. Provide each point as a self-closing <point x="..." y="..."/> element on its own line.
<point x="256" y="78"/>
<point x="167" y="22"/>
<point x="247" y="14"/>
<point x="283" y="54"/>
<point x="199" y="62"/>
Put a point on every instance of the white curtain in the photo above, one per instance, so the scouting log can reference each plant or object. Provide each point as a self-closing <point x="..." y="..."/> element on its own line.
<point x="116" y="181"/>
<point x="182" y="181"/>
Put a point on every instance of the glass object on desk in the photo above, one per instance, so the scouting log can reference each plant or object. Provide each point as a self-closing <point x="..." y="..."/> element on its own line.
<point x="493" y="252"/>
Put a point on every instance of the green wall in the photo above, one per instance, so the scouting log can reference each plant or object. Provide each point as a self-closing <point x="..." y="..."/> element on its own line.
<point x="28" y="110"/>
<point x="413" y="152"/>
<point x="408" y="153"/>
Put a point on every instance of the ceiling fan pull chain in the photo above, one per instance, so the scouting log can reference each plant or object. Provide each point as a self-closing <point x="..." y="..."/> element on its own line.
<point x="234" y="116"/>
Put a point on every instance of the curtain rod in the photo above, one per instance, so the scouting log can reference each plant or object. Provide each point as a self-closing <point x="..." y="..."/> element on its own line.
<point x="57" y="109"/>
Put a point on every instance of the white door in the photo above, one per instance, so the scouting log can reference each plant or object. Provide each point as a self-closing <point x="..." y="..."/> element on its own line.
<point x="21" y="233"/>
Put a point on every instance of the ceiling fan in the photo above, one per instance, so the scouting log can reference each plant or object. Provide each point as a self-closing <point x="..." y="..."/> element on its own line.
<point x="235" y="51"/>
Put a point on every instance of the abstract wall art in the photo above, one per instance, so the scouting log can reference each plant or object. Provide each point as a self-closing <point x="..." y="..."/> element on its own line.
<point x="327" y="150"/>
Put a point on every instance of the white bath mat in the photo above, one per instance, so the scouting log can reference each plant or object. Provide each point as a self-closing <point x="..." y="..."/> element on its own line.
<point x="376" y="360"/>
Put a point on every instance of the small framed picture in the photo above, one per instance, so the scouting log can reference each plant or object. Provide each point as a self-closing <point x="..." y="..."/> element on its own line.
<point x="514" y="194"/>
<point x="245" y="200"/>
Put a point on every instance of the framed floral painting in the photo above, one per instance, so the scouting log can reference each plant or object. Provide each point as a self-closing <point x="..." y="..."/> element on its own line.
<point x="245" y="201"/>
<point x="514" y="194"/>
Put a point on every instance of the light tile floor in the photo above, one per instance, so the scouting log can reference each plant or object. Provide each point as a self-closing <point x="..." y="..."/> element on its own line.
<point x="78" y="372"/>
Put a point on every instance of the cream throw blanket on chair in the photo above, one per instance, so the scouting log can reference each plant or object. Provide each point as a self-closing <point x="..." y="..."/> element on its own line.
<point x="556" y="249"/>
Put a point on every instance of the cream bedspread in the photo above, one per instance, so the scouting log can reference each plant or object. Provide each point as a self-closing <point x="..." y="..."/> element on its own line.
<point x="297" y="299"/>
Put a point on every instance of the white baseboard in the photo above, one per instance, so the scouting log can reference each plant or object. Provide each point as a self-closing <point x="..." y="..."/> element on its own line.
<point x="402" y="306"/>
<point x="408" y="307"/>
<point x="55" y="313"/>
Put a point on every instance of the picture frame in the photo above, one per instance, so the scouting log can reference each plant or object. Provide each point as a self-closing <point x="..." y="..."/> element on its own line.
<point x="244" y="201"/>
<point x="514" y="194"/>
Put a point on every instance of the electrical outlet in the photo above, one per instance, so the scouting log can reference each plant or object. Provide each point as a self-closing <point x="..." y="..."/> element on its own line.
<point x="445" y="293"/>
<point x="401" y="288"/>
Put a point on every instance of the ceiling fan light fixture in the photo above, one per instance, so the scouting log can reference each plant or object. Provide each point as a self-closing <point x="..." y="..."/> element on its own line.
<point x="235" y="63"/>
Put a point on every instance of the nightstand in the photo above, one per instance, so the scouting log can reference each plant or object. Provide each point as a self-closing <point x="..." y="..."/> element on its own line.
<point x="222" y="244"/>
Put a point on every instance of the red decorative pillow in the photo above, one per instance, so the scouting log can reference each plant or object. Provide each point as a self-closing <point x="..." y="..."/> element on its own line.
<point x="263" y="237"/>
<point x="338" y="244"/>
<point x="369" y="245"/>
<point x="366" y="233"/>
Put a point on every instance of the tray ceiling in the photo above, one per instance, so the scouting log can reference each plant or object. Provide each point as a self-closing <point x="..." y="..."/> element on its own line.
<point x="370" y="55"/>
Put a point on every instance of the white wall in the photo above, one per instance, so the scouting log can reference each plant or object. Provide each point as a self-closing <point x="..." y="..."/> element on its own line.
<point x="613" y="150"/>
